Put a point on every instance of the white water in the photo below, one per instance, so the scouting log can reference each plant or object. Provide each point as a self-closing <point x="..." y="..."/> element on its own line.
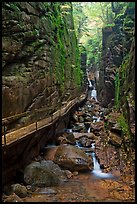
<point x="95" y="162"/>
<point x="69" y="130"/>
<point x="78" y="144"/>
<point x="89" y="130"/>
<point x="97" y="170"/>
<point x="90" y="84"/>
<point x="94" y="94"/>
<point x="93" y="145"/>
<point x="96" y="119"/>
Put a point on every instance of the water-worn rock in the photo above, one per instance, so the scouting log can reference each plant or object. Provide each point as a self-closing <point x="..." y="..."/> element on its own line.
<point x="72" y="158"/>
<point x="49" y="152"/>
<point x="85" y="141"/>
<point x="67" y="138"/>
<point x="68" y="173"/>
<point x="19" y="190"/>
<point x="79" y="127"/>
<point x="44" y="173"/>
<point x="90" y="135"/>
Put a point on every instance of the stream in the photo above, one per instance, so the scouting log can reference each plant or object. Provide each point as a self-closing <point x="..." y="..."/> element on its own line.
<point x="112" y="176"/>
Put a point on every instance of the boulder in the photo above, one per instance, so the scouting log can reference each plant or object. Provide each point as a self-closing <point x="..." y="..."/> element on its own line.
<point x="72" y="158"/>
<point x="44" y="173"/>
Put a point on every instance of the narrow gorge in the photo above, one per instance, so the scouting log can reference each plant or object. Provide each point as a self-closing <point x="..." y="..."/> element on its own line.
<point x="68" y="101"/>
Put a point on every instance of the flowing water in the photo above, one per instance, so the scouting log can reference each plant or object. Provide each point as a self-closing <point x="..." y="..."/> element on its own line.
<point x="96" y="185"/>
<point x="97" y="170"/>
<point x="90" y="84"/>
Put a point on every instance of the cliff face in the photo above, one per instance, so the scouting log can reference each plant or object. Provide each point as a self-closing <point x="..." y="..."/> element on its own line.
<point x="117" y="75"/>
<point x="116" y="44"/>
<point x="125" y="88"/>
<point x="40" y="60"/>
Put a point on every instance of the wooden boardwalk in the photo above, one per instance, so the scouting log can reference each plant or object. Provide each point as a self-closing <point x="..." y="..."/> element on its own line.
<point x="24" y="131"/>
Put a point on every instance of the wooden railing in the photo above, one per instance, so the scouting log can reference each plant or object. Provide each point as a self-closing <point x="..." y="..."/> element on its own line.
<point x="38" y="123"/>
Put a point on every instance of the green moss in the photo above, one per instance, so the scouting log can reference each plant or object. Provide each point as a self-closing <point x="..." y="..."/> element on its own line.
<point x="123" y="123"/>
<point x="120" y="80"/>
<point x="78" y="72"/>
<point x="14" y="7"/>
<point x="109" y="25"/>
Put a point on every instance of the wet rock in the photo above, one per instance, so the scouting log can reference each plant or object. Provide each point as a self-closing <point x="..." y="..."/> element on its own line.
<point x="49" y="153"/>
<point x="72" y="158"/>
<point x="68" y="173"/>
<point x="67" y="138"/>
<point x="75" y="173"/>
<point x="19" y="190"/>
<point x="13" y="198"/>
<point x="90" y="135"/>
<point x="79" y="127"/>
<point x="81" y="119"/>
<point x="85" y="141"/>
<point x="44" y="173"/>
<point x="114" y="139"/>
<point x="88" y="119"/>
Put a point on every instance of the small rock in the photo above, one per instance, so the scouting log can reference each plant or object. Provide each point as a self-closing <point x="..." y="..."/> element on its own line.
<point x="68" y="173"/>
<point x="19" y="190"/>
<point x="75" y="173"/>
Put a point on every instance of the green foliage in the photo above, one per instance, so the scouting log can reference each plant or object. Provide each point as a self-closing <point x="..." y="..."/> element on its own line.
<point x="124" y="126"/>
<point x="14" y="7"/>
<point x="89" y="18"/>
<point x="109" y="25"/>
<point x="120" y="77"/>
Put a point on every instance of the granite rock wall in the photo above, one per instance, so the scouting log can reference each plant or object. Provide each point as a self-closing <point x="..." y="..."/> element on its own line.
<point x="40" y="58"/>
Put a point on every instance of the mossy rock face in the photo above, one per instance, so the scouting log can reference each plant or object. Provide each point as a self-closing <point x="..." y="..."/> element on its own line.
<point x="39" y="48"/>
<point x="114" y="84"/>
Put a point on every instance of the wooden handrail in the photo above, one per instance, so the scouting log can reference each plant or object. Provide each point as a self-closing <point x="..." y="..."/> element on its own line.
<point x="38" y="124"/>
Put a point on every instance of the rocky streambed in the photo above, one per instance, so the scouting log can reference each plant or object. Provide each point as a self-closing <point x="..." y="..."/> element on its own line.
<point x="87" y="163"/>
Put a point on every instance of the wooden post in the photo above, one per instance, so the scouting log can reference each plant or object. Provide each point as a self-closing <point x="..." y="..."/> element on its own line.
<point x="4" y="135"/>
